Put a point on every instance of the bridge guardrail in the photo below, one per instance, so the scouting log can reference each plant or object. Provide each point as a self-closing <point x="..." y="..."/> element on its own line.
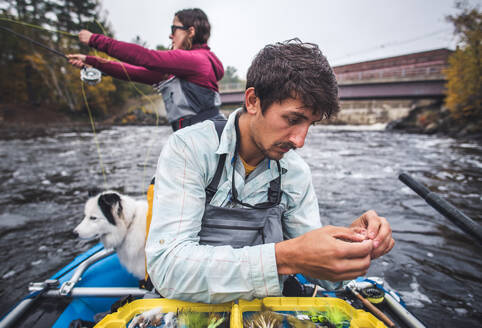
<point x="393" y="74"/>
<point x="232" y="87"/>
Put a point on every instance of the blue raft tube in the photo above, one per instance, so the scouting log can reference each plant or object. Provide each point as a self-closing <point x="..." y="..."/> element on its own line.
<point x="95" y="280"/>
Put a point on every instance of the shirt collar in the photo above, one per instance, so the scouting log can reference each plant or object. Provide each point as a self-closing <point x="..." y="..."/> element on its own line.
<point x="227" y="145"/>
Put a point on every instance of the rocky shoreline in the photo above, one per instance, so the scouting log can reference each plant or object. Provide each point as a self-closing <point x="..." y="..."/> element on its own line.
<point x="434" y="118"/>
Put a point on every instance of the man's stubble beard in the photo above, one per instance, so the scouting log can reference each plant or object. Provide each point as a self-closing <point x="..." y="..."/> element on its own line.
<point x="266" y="152"/>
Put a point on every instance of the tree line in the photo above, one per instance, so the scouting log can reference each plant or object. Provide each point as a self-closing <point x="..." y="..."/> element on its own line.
<point x="32" y="75"/>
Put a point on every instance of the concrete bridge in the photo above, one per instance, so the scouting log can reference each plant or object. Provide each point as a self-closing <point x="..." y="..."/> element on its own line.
<point x="407" y="77"/>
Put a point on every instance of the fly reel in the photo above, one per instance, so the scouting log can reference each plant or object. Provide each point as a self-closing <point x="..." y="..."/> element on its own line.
<point x="90" y="75"/>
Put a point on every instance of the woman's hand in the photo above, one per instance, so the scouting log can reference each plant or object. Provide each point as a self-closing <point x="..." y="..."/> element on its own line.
<point x="77" y="60"/>
<point x="84" y="36"/>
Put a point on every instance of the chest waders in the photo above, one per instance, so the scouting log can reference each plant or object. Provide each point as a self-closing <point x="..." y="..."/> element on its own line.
<point x="238" y="227"/>
<point x="249" y="225"/>
<point x="188" y="103"/>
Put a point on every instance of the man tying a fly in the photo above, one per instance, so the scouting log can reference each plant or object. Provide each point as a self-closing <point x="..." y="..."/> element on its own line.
<point x="234" y="205"/>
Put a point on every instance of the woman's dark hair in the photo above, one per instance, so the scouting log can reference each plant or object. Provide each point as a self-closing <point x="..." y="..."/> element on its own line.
<point x="197" y="18"/>
<point x="293" y="69"/>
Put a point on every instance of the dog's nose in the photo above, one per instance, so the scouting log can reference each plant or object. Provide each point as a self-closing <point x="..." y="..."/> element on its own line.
<point x="76" y="234"/>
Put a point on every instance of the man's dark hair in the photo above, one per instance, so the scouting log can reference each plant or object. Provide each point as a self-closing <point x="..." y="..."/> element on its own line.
<point x="197" y="18"/>
<point x="293" y="69"/>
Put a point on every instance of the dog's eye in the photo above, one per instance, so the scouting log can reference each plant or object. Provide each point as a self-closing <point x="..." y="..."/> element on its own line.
<point x="93" y="218"/>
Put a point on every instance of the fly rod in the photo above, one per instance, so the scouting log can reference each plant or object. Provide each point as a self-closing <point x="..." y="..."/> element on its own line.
<point x="445" y="208"/>
<point x="89" y="75"/>
<point x="58" y="53"/>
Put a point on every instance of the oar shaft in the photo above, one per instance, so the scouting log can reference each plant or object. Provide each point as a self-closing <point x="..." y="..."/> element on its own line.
<point x="372" y="308"/>
<point x="445" y="208"/>
<point x="34" y="42"/>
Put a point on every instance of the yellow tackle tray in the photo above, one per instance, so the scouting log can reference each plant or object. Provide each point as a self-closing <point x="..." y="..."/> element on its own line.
<point x="124" y="315"/>
<point x="359" y="318"/>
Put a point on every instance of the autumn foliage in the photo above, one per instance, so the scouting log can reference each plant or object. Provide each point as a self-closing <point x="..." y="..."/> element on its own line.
<point x="464" y="73"/>
<point x="32" y="75"/>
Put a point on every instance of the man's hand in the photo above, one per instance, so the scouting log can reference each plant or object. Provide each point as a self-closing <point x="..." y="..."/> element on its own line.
<point x="378" y="230"/>
<point x="77" y="60"/>
<point x="329" y="253"/>
<point x="84" y="36"/>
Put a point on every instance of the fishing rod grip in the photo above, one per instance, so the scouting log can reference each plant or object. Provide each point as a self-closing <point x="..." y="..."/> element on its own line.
<point x="445" y="208"/>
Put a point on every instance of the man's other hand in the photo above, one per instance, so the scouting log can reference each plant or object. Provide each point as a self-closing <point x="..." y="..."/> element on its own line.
<point x="378" y="229"/>
<point x="329" y="253"/>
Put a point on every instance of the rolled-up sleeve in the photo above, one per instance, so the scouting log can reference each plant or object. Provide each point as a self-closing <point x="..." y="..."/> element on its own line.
<point x="178" y="266"/>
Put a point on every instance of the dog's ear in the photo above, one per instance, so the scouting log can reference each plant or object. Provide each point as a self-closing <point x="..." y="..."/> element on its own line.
<point x="94" y="191"/>
<point x="106" y="203"/>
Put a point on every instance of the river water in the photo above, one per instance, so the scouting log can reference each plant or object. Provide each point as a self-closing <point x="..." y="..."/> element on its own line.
<point x="437" y="268"/>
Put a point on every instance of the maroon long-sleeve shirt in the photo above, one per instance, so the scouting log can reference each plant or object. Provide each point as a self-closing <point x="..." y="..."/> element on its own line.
<point x="198" y="65"/>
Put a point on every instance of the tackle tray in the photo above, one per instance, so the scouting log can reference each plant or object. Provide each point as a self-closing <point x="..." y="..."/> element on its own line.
<point x="359" y="318"/>
<point x="125" y="314"/>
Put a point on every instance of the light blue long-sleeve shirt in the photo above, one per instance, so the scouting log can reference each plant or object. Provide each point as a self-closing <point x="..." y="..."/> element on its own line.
<point x="182" y="269"/>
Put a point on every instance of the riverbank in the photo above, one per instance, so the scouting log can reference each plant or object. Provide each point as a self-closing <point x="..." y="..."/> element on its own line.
<point x="434" y="118"/>
<point x="26" y="121"/>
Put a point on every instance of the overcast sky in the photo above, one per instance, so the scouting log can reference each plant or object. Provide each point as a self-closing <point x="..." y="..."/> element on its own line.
<point x="347" y="31"/>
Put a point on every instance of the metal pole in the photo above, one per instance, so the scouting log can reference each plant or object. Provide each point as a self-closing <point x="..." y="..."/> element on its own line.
<point x="98" y="292"/>
<point x="445" y="208"/>
<point x="403" y="313"/>
<point x="11" y="318"/>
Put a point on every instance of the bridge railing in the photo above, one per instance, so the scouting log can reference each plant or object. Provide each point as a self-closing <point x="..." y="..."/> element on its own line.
<point x="232" y="87"/>
<point x="434" y="72"/>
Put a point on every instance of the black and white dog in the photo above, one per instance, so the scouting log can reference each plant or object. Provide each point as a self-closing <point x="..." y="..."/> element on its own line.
<point x="120" y="223"/>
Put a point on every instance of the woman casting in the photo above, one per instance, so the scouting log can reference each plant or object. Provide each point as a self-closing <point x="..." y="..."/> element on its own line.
<point x="187" y="75"/>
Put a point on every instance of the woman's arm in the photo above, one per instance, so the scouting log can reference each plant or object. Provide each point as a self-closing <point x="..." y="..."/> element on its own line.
<point x="126" y="71"/>
<point x="182" y="63"/>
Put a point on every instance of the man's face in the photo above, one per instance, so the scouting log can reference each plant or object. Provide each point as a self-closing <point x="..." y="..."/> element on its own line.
<point x="282" y="127"/>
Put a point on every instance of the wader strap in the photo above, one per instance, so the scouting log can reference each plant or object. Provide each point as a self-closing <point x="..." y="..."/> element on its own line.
<point x="190" y="120"/>
<point x="274" y="191"/>
<point x="212" y="188"/>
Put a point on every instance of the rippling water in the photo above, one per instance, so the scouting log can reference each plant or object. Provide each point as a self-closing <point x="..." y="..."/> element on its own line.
<point x="436" y="267"/>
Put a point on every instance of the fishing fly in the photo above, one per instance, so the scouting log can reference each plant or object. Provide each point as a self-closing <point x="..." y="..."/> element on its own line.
<point x="89" y="75"/>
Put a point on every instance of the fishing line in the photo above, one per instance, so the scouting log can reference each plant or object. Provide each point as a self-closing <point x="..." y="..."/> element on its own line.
<point x="95" y="134"/>
<point x="391" y="44"/>
<point x="37" y="27"/>
<point x="150" y="144"/>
